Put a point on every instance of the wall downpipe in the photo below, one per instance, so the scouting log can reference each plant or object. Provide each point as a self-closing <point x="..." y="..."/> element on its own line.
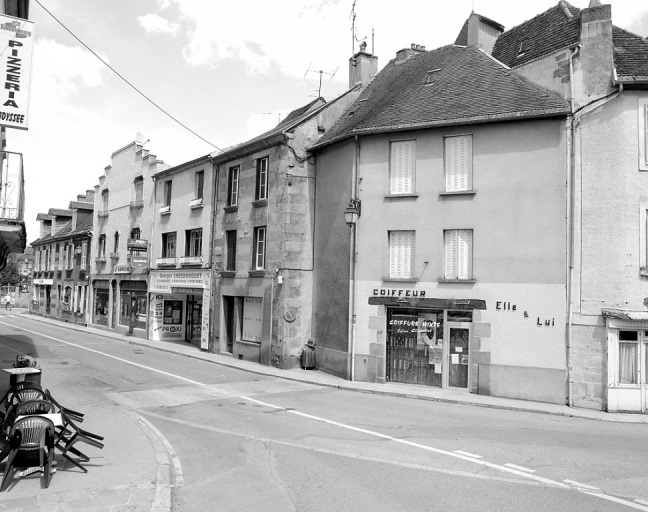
<point x="571" y="183"/>
<point x="352" y="260"/>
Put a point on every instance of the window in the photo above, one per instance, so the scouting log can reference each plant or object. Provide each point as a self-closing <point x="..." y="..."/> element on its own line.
<point x="258" y="254"/>
<point x="193" y="245"/>
<point x="458" y="163"/>
<point x="643" y="134"/>
<point x="69" y="258"/>
<point x="104" y="200"/>
<point x="458" y="253"/>
<point x="57" y="265"/>
<point x="116" y="246"/>
<point x="135" y="233"/>
<point x="102" y="245"/>
<point x="65" y="256"/>
<point x="200" y="182"/>
<point x="628" y="357"/>
<point x="231" y="250"/>
<point x="402" y="167"/>
<point x="169" y="245"/>
<point x="167" y="192"/>
<point x="261" y="179"/>
<point x="138" y="186"/>
<point x="84" y="255"/>
<point x="232" y="186"/>
<point x="401" y="254"/>
<point x="524" y="47"/>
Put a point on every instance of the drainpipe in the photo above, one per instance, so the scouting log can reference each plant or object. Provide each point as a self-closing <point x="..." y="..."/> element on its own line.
<point x="352" y="260"/>
<point x="571" y="225"/>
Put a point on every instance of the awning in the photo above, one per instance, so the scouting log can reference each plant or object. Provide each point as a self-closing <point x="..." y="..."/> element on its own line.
<point x="624" y="314"/>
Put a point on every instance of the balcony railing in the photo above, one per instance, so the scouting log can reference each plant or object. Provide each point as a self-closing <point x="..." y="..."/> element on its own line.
<point x="191" y="260"/>
<point x="166" y="262"/>
<point x="12" y="186"/>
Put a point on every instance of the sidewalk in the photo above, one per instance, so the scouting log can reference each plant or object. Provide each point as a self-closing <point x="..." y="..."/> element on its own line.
<point x="388" y="389"/>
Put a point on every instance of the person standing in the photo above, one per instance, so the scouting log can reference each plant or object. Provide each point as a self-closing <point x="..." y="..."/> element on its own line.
<point x="8" y="301"/>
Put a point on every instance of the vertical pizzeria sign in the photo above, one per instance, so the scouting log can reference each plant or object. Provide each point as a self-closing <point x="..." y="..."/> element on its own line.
<point x="16" y="41"/>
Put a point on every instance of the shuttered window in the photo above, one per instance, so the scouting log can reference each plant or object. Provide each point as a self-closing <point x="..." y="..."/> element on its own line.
<point x="458" y="163"/>
<point x="402" y="167"/>
<point x="458" y="253"/>
<point x="401" y="254"/>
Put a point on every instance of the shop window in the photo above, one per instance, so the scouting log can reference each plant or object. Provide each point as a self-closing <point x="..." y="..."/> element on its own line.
<point x="231" y="250"/>
<point x="193" y="242"/>
<point x="200" y="182"/>
<point x="67" y="299"/>
<point x="402" y="167"/>
<point x="100" y="312"/>
<point x="258" y="262"/>
<point x="458" y="160"/>
<point x="458" y="254"/>
<point x="401" y="254"/>
<point x="261" y="179"/>
<point x="628" y="357"/>
<point x="233" y="186"/>
<point x="169" y="245"/>
<point x="172" y="312"/>
<point x="133" y="303"/>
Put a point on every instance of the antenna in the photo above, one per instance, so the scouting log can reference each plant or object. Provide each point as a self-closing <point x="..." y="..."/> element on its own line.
<point x="319" y="90"/>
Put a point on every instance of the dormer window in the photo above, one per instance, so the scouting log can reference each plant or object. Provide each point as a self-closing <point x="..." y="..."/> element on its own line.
<point x="524" y="47"/>
<point x="432" y="76"/>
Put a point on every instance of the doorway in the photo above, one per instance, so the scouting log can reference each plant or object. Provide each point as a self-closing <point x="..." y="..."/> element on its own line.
<point x="458" y="354"/>
<point x="631" y="381"/>
<point x="194" y="318"/>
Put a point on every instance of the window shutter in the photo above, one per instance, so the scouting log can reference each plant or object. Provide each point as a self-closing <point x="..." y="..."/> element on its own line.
<point x="450" y="241"/>
<point x="403" y="167"/>
<point x="401" y="254"/>
<point x="464" y="239"/>
<point x="458" y="163"/>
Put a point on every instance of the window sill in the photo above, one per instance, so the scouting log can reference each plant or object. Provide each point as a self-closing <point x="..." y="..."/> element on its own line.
<point x="228" y="273"/>
<point x="458" y="281"/>
<point x="196" y="203"/>
<point x="136" y="205"/>
<point x="165" y="210"/>
<point x="458" y="193"/>
<point x="231" y="209"/>
<point x="643" y="271"/>
<point x="259" y="203"/>
<point x="257" y="273"/>
<point x="401" y="196"/>
<point x="400" y="279"/>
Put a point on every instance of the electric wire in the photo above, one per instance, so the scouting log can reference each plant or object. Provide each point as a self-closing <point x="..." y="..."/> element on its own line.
<point x="125" y="80"/>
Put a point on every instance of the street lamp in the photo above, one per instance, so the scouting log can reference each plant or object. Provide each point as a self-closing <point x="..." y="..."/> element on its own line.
<point x="352" y="212"/>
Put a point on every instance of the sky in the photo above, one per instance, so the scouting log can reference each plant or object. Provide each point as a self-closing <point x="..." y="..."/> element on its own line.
<point x="226" y="70"/>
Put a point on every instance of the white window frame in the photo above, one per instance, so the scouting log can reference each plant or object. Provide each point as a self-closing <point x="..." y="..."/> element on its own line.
<point x="402" y="250"/>
<point x="259" y="249"/>
<point x="643" y="239"/>
<point x="458" y="254"/>
<point x="84" y="255"/>
<point x="458" y="163"/>
<point x="402" y="167"/>
<point x="193" y="239"/>
<point x="233" y="185"/>
<point x="168" y="192"/>
<point x="262" y="165"/>
<point x="643" y="134"/>
<point x="169" y="244"/>
<point x="199" y="184"/>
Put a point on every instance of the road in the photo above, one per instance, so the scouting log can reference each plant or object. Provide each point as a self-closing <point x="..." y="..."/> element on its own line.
<point x="241" y="441"/>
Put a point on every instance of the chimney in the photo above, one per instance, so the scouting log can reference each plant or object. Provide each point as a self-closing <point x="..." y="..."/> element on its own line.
<point x="363" y="66"/>
<point x="482" y="32"/>
<point x="53" y="226"/>
<point x="408" y="53"/>
<point x="596" y="64"/>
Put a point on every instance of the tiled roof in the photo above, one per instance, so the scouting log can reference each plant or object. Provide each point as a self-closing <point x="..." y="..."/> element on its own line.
<point x="630" y="55"/>
<point x="450" y="85"/>
<point x="547" y="32"/>
<point x="60" y="212"/>
<point x="81" y="205"/>
<point x="65" y="229"/>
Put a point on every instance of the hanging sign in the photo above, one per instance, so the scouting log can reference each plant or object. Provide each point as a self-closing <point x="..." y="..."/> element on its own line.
<point x="17" y="38"/>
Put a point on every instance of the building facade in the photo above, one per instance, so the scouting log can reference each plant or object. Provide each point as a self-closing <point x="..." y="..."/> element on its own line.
<point x="122" y="222"/>
<point x="439" y="279"/>
<point x="263" y="238"/>
<point x="62" y="264"/>
<point x="180" y="275"/>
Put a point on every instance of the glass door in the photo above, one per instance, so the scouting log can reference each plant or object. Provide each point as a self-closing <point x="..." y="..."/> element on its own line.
<point x="458" y="354"/>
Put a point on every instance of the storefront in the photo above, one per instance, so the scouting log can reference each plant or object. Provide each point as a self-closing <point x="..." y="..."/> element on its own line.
<point x="100" y="302"/>
<point x="179" y="306"/>
<point x="627" y="350"/>
<point x="41" y="295"/>
<point x="428" y="341"/>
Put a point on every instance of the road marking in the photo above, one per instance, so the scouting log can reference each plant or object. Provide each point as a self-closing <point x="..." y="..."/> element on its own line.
<point x="581" y="485"/>
<point x="468" y="454"/>
<point x="504" y="468"/>
<point x="521" y="468"/>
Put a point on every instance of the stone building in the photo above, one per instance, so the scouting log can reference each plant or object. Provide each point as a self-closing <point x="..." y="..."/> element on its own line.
<point x="122" y="224"/>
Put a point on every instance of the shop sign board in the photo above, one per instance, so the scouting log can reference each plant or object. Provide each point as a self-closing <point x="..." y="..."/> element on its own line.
<point x="17" y="38"/>
<point x="43" y="281"/>
<point x="122" y="269"/>
<point x="139" y="261"/>
<point x="135" y="244"/>
<point x="163" y="282"/>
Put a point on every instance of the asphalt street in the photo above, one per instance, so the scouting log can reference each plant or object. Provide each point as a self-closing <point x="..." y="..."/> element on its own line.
<point x="187" y="434"/>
